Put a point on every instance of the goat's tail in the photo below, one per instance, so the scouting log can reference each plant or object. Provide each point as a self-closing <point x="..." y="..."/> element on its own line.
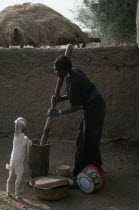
<point x="8" y="166"/>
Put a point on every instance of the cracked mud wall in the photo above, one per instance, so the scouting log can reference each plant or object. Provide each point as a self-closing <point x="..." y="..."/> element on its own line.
<point x="27" y="82"/>
<point x="137" y="23"/>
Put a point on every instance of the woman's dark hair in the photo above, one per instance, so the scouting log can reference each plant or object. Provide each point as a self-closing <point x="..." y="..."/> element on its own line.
<point x="63" y="63"/>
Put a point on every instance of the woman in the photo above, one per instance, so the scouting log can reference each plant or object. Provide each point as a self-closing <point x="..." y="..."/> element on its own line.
<point x="82" y="94"/>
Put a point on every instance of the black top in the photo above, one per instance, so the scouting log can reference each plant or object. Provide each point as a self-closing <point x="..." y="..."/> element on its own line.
<point x="80" y="89"/>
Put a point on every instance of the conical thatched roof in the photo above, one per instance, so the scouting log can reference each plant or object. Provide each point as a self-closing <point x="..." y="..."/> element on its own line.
<point x="37" y="25"/>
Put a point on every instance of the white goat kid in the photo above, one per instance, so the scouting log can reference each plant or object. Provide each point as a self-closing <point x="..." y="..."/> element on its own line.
<point x="20" y="142"/>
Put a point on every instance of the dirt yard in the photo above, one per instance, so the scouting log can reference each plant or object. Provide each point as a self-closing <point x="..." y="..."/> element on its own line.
<point x="121" y="190"/>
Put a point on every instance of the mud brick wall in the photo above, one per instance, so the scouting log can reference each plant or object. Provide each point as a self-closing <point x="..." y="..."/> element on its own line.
<point x="137" y="23"/>
<point x="27" y="82"/>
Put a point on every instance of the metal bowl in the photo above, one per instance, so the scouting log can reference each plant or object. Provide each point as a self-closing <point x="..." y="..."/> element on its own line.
<point x="55" y="193"/>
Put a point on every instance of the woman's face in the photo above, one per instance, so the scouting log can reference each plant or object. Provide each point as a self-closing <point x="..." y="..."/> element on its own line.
<point x="60" y="73"/>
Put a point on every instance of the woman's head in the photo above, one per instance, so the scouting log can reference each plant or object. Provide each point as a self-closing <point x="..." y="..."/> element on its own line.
<point x="62" y="65"/>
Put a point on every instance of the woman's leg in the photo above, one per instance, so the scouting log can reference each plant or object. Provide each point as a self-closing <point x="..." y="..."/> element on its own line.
<point x="94" y="119"/>
<point x="79" y="157"/>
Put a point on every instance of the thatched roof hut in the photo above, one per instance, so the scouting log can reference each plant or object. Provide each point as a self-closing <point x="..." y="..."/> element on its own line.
<point x="37" y="25"/>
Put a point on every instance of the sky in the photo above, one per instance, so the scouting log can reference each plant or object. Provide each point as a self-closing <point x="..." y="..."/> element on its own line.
<point x="61" y="6"/>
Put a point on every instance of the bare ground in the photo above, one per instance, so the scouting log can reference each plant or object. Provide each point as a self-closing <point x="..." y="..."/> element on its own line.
<point x="121" y="190"/>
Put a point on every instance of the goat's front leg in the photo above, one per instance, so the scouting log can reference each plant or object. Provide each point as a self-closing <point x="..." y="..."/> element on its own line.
<point x="8" y="182"/>
<point x="19" y="175"/>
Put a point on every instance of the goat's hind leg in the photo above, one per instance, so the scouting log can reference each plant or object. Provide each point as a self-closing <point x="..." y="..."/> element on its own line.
<point x="8" y="182"/>
<point x="19" y="175"/>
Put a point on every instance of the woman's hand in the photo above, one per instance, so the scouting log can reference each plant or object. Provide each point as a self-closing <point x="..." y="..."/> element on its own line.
<point x="53" y="112"/>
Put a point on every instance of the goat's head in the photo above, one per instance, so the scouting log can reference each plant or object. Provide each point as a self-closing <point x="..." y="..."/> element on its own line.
<point x="20" y="122"/>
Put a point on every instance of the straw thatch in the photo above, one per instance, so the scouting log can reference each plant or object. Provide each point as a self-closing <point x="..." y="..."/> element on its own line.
<point x="37" y="25"/>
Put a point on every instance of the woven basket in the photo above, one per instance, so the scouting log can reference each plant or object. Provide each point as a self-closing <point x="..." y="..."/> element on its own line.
<point x="57" y="192"/>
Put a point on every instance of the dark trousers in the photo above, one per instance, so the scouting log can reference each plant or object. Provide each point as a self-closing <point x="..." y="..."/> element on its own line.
<point x="89" y="135"/>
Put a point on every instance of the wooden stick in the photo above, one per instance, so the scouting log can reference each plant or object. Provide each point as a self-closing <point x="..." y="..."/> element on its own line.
<point x="59" y="84"/>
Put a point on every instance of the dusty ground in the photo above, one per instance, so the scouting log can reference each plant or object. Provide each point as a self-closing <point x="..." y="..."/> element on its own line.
<point x="121" y="190"/>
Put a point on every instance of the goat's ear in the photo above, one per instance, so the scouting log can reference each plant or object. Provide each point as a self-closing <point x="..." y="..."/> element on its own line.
<point x="25" y="122"/>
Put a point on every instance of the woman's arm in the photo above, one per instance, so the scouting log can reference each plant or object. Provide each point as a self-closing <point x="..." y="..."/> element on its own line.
<point x="67" y="110"/>
<point x="65" y="97"/>
<point x="70" y="109"/>
<point x="59" y="99"/>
